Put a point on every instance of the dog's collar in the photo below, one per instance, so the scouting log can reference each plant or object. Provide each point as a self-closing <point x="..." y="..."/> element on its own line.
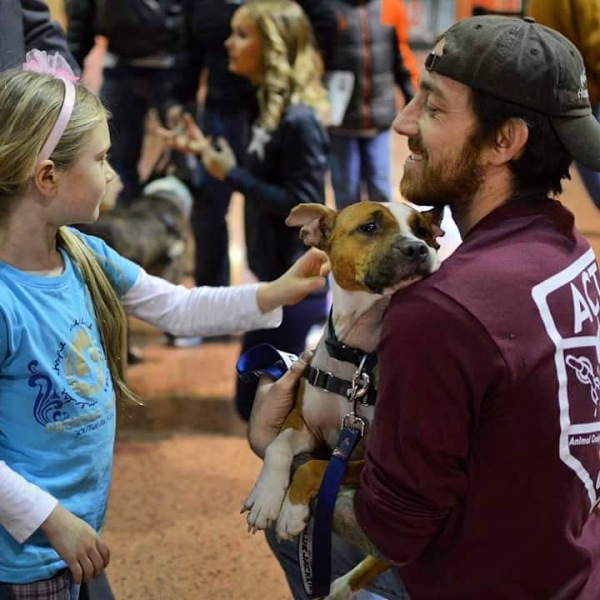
<point x="345" y="353"/>
<point x="330" y="383"/>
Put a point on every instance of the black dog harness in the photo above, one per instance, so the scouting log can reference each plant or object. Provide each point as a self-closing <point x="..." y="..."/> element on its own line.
<point x="329" y="382"/>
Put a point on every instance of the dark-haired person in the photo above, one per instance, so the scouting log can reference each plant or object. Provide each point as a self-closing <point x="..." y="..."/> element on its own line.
<point x="482" y="467"/>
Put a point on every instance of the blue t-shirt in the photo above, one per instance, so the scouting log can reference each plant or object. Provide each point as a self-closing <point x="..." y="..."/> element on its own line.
<point x="57" y="403"/>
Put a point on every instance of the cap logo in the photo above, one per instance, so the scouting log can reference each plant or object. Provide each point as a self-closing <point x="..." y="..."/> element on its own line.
<point x="437" y="51"/>
<point x="583" y="91"/>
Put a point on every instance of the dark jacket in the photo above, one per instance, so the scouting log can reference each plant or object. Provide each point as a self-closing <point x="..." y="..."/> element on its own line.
<point x="207" y="25"/>
<point x="286" y="170"/>
<point x="86" y="18"/>
<point x="25" y="25"/>
<point x="82" y="28"/>
<point x="370" y="50"/>
<point x="323" y="20"/>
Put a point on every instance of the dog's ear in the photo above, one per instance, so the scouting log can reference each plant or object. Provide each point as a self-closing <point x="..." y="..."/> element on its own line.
<point x="316" y="221"/>
<point x="435" y="216"/>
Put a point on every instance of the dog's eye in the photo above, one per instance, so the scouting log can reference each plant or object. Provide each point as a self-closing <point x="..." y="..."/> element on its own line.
<point x="422" y="232"/>
<point x="370" y="227"/>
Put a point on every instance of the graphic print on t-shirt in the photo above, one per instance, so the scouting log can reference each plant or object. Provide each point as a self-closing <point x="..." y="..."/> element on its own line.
<point x="577" y="359"/>
<point x="81" y="365"/>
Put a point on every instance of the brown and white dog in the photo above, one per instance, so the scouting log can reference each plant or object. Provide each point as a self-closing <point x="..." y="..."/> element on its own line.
<point x="374" y="249"/>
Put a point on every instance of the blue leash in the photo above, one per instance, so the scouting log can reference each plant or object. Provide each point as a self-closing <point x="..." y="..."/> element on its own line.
<point x="314" y="548"/>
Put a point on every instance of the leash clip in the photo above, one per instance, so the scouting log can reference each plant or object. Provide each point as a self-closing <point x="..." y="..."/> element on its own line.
<point x="353" y="421"/>
<point x="361" y="382"/>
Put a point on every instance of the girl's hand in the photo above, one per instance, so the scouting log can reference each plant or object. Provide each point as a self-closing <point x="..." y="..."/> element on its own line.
<point x="219" y="161"/>
<point x="76" y="543"/>
<point x="305" y="276"/>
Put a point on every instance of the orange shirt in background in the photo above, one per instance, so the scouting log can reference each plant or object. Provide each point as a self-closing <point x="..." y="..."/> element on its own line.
<point x="393" y="13"/>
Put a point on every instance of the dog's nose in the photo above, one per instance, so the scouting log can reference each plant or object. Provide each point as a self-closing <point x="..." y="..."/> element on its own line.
<point x="414" y="250"/>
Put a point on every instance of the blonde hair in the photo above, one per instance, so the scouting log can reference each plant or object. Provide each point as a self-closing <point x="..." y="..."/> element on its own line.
<point x="29" y="107"/>
<point x="292" y="68"/>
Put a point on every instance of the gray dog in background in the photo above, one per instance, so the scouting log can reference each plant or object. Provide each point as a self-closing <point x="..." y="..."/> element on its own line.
<point x="153" y="231"/>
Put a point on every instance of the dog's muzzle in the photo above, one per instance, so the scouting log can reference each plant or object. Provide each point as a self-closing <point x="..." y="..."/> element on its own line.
<point x="405" y="258"/>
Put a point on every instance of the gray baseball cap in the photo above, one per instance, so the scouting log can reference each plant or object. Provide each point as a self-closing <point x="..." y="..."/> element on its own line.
<point x="528" y="64"/>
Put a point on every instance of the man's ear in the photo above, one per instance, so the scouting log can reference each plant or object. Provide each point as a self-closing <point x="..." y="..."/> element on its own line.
<point x="510" y="142"/>
<point x="46" y="177"/>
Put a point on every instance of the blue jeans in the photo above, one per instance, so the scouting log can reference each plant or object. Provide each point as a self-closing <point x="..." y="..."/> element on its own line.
<point x="355" y="160"/>
<point x="591" y="179"/>
<point x="344" y="558"/>
<point x="211" y="200"/>
<point x="129" y="93"/>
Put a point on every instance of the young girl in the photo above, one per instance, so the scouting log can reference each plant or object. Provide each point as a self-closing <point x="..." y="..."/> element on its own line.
<point x="271" y="44"/>
<point x="63" y="299"/>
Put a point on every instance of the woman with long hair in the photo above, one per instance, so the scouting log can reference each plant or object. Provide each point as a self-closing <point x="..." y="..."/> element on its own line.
<point x="272" y="45"/>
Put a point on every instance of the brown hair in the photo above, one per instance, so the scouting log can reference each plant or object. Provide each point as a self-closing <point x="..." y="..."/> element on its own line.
<point x="545" y="161"/>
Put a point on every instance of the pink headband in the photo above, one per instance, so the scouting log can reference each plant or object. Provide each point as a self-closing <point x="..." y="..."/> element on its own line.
<point x="39" y="61"/>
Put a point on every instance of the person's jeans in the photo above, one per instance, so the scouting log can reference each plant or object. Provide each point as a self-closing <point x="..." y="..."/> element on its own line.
<point x="343" y="558"/>
<point x="211" y="200"/>
<point x="591" y="179"/>
<point x="129" y="93"/>
<point x="355" y="160"/>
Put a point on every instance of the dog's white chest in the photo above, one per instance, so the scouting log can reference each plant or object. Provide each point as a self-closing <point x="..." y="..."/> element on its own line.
<point x="324" y="412"/>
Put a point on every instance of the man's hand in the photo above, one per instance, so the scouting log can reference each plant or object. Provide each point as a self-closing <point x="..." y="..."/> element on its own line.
<point x="273" y="402"/>
<point x="305" y="276"/>
<point x="77" y="544"/>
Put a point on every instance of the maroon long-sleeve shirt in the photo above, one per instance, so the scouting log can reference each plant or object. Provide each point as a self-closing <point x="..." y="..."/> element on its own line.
<point x="483" y="459"/>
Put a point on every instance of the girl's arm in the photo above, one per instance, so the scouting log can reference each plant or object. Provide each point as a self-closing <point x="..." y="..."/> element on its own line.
<point x="201" y="311"/>
<point x="23" y="505"/>
<point x="212" y="311"/>
<point x="25" y="508"/>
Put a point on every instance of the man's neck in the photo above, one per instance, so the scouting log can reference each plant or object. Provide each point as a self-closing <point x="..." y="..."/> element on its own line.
<point x="496" y="189"/>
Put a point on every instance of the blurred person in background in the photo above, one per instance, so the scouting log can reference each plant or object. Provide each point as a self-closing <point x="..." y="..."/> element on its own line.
<point x="579" y="21"/>
<point x="140" y="67"/>
<point x="271" y="45"/>
<point x="371" y="48"/>
<point x="26" y="25"/>
<point x="227" y="110"/>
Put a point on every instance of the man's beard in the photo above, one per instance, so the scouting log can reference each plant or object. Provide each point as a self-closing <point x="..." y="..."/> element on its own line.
<point x="452" y="182"/>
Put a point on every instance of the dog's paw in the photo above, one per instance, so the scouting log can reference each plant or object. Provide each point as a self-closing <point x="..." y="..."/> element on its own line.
<point x="292" y="520"/>
<point x="263" y="506"/>
<point x="340" y="589"/>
